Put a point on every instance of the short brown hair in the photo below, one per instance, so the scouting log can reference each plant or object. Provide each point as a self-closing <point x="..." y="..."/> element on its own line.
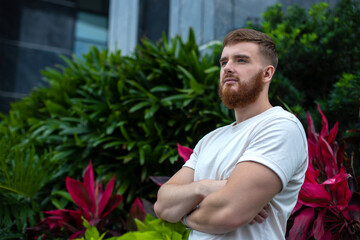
<point x="266" y="44"/>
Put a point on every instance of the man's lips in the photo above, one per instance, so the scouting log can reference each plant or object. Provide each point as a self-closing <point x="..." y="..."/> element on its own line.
<point x="230" y="80"/>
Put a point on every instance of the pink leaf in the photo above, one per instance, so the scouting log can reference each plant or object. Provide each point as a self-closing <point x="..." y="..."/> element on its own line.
<point x="312" y="135"/>
<point x="105" y="196"/>
<point x="340" y="155"/>
<point x="302" y="223"/>
<point x="184" y="152"/>
<point x="89" y="185"/>
<point x="296" y="208"/>
<point x="112" y="204"/>
<point x="77" y="234"/>
<point x="159" y="180"/>
<point x="328" y="158"/>
<point x="79" y="194"/>
<point x="319" y="228"/>
<point x="349" y="209"/>
<point x="332" y="134"/>
<point x="342" y="176"/>
<point x="137" y="210"/>
<point x="314" y="195"/>
<point x="311" y="174"/>
<point x="339" y="188"/>
<point x="325" y="129"/>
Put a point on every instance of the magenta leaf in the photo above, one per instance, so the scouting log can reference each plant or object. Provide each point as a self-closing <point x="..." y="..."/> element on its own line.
<point x="319" y="228"/>
<point x="79" y="194"/>
<point x="159" y="180"/>
<point x="332" y="134"/>
<point x="340" y="154"/>
<point x="328" y="158"/>
<point x="325" y="129"/>
<point x="137" y="210"/>
<point x="89" y="185"/>
<point x="103" y="199"/>
<point x="302" y="223"/>
<point x="342" y="176"/>
<point x="297" y="207"/>
<point x="112" y="204"/>
<point x="312" y="135"/>
<point x="314" y="195"/>
<point x="184" y="152"/>
<point x="77" y="234"/>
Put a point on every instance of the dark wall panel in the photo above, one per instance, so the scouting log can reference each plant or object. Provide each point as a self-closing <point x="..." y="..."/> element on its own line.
<point x="153" y="19"/>
<point x="33" y="33"/>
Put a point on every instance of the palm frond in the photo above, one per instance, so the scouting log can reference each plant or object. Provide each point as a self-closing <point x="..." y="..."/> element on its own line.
<point x="16" y="212"/>
<point x="22" y="171"/>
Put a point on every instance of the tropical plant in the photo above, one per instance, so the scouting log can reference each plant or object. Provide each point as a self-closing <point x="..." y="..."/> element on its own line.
<point x="185" y="153"/>
<point x="94" y="203"/>
<point x="149" y="229"/>
<point x="325" y="207"/>
<point x="19" y="186"/>
<point x="115" y="110"/>
<point x="154" y="228"/>
<point x="318" y="56"/>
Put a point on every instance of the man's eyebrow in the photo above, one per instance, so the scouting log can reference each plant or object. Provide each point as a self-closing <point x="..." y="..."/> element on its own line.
<point x="223" y="59"/>
<point x="244" y="56"/>
<point x="241" y="56"/>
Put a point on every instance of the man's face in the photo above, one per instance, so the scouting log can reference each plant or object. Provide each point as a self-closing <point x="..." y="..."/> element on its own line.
<point x="241" y="76"/>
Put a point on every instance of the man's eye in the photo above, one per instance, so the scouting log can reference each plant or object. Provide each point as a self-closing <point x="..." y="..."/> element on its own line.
<point x="240" y="60"/>
<point x="223" y="64"/>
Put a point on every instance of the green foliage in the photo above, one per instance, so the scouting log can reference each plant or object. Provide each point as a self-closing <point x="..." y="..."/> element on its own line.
<point x="345" y="96"/>
<point x="158" y="229"/>
<point x="91" y="232"/>
<point x="16" y="212"/>
<point x="126" y="114"/>
<point x="317" y="47"/>
<point x="151" y="229"/>
<point x="23" y="173"/>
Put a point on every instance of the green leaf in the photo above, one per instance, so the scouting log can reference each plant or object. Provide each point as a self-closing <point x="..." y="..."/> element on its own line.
<point x="139" y="106"/>
<point x="195" y="86"/>
<point x="150" y="112"/>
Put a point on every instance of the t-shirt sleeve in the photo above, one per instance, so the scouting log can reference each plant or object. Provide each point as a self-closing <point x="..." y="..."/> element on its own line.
<point x="191" y="162"/>
<point x="279" y="145"/>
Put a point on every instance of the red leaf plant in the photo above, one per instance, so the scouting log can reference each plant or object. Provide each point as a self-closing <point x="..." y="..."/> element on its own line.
<point x="324" y="210"/>
<point x="185" y="153"/>
<point x="94" y="204"/>
<point x="137" y="211"/>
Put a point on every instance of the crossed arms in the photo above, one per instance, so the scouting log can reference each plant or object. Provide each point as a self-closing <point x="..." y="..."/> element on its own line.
<point x="225" y="205"/>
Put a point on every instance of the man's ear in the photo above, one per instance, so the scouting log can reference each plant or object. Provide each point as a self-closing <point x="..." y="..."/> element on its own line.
<point x="268" y="73"/>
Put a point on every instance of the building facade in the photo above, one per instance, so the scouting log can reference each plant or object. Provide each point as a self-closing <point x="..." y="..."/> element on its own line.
<point x="33" y="33"/>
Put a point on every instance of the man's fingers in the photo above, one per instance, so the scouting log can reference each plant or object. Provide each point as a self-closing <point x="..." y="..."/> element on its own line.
<point x="258" y="219"/>
<point x="263" y="214"/>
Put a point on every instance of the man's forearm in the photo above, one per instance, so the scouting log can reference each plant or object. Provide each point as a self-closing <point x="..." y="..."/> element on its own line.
<point x="210" y="219"/>
<point x="218" y="214"/>
<point x="175" y="201"/>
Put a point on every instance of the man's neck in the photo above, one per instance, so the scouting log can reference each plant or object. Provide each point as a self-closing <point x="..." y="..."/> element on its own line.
<point x="251" y="110"/>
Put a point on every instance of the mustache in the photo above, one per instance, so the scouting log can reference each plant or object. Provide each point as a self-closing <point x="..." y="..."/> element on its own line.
<point x="229" y="75"/>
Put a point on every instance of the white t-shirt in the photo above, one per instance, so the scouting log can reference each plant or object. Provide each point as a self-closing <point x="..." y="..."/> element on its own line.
<point x="274" y="138"/>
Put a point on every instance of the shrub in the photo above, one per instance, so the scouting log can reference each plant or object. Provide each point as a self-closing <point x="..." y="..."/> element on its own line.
<point x="318" y="50"/>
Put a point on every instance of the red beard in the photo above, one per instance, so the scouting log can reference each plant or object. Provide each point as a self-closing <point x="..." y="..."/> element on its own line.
<point x="245" y="94"/>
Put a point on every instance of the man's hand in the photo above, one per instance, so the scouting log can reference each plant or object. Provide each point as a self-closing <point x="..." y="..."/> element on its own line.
<point x="262" y="215"/>
<point x="208" y="186"/>
<point x="180" y="195"/>
<point x="250" y="187"/>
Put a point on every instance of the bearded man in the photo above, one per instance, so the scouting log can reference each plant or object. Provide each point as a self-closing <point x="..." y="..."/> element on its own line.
<point x="249" y="170"/>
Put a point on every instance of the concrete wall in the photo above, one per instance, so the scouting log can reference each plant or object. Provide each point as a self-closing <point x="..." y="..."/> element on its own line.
<point x="32" y="35"/>
<point x="210" y="19"/>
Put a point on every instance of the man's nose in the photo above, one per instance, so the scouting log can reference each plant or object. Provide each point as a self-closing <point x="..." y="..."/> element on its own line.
<point x="228" y="67"/>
